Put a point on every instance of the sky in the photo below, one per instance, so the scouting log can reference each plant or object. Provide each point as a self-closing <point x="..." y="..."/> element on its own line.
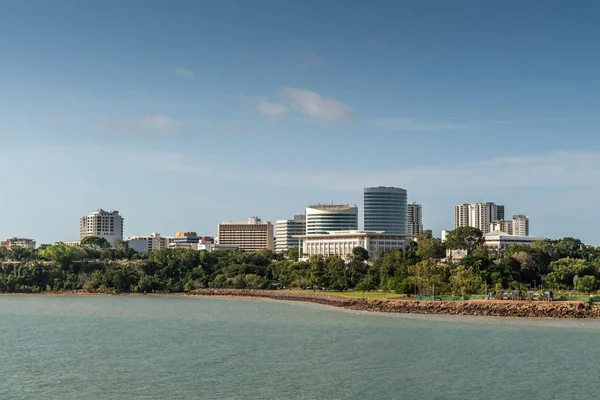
<point x="182" y="114"/>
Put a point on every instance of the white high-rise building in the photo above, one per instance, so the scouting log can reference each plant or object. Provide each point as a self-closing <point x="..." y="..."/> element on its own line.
<point x="104" y="224"/>
<point x="461" y="215"/>
<point x="286" y="231"/>
<point x="520" y="225"/>
<point x="477" y="215"/>
<point x="414" y="219"/>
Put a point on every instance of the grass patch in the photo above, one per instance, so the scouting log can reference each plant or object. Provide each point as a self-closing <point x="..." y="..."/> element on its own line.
<point x="358" y="294"/>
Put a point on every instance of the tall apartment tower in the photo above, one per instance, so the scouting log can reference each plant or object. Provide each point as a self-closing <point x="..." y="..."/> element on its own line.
<point x="104" y="224"/>
<point x="286" y="231"/>
<point x="414" y="219"/>
<point x="253" y="235"/>
<point x="477" y="215"/>
<point x="461" y="215"/>
<point x="520" y="225"/>
<point x="385" y="209"/>
<point x="323" y="218"/>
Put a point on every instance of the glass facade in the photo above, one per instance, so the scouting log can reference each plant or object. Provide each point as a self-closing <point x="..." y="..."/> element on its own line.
<point x="385" y="209"/>
<point x="321" y="219"/>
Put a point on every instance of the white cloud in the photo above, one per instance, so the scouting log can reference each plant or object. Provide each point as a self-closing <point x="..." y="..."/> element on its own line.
<point x="411" y="125"/>
<point x="316" y="106"/>
<point x="272" y="110"/>
<point x="187" y="73"/>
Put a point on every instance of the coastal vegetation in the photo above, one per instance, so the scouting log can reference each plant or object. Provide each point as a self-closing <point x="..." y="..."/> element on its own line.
<point x="565" y="264"/>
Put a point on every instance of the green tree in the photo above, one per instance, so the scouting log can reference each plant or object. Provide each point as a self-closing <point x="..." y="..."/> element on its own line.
<point x="429" y="247"/>
<point x="464" y="238"/>
<point x="564" y="271"/>
<point x="360" y="253"/>
<point x="62" y="255"/>
<point x="293" y="254"/>
<point x="95" y="242"/>
<point x="585" y="284"/>
<point x="466" y="282"/>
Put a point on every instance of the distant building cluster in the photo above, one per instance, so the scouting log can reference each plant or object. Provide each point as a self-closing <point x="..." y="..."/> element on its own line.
<point x="489" y="218"/>
<point x="323" y="229"/>
<point x="18" y="242"/>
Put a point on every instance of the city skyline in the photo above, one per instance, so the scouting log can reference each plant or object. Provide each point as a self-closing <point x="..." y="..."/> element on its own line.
<point x="269" y="112"/>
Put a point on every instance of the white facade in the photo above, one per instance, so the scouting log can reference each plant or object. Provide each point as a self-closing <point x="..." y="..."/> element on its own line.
<point x="477" y="215"/>
<point x="215" y="247"/>
<point x="499" y="240"/>
<point x="341" y="243"/>
<point x="520" y="225"/>
<point x="414" y="219"/>
<point x="71" y="243"/>
<point x="145" y="244"/>
<point x="323" y="218"/>
<point x="502" y="226"/>
<point x="104" y="224"/>
<point x="445" y="234"/>
<point x="286" y="232"/>
<point x="19" y="242"/>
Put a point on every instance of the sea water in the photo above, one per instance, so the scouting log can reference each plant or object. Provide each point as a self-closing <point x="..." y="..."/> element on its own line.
<point x="145" y="347"/>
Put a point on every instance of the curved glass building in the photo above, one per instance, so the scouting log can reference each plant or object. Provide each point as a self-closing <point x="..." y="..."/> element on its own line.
<point x="385" y="209"/>
<point x="323" y="218"/>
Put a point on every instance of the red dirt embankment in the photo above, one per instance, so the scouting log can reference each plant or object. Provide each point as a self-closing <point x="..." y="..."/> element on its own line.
<point x="476" y="308"/>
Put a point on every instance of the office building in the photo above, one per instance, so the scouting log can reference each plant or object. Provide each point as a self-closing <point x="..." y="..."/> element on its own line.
<point x="189" y="240"/>
<point x="341" y="243"/>
<point x="104" y="224"/>
<point x="519" y="226"/>
<point x="145" y="244"/>
<point x="385" y="209"/>
<point x="500" y="241"/>
<point x="286" y="231"/>
<point x="414" y="219"/>
<point x="18" y="242"/>
<point x="323" y="218"/>
<point x="477" y="215"/>
<point x="502" y="226"/>
<point x="253" y="235"/>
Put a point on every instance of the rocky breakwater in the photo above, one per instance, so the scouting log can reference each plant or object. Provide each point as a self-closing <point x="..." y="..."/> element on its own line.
<point x="492" y="308"/>
<point x="484" y="308"/>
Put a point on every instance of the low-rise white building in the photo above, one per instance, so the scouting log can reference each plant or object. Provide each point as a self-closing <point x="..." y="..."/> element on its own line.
<point x="341" y="243"/>
<point x="216" y="247"/>
<point x="18" y="242"/>
<point x="71" y="243"/>
<point x="497" y="240"/>
<point x="145" y="244"/>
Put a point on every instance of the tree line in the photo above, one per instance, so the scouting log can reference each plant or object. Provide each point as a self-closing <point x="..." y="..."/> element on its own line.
<point x="96" y="267"/>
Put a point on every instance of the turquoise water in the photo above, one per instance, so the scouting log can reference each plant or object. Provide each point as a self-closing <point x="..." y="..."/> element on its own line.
<point x="191" y="348"/>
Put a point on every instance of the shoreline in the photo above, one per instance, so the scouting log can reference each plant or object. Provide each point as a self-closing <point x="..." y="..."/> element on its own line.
<point x="480" y="308"/>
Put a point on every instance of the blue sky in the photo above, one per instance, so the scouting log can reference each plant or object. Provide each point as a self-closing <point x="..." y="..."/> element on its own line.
<point x="182" y="114"/>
